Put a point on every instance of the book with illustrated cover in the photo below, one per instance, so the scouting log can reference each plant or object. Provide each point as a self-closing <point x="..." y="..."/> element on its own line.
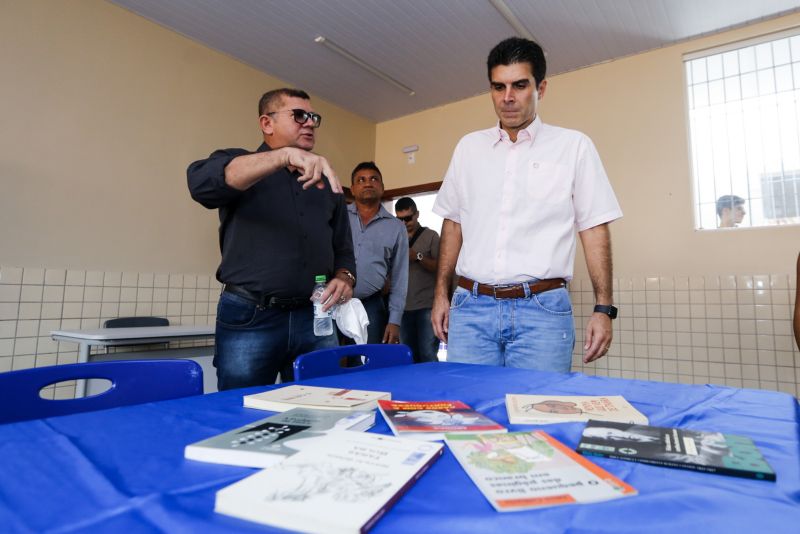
<point x="342" y="485"/>
<point x="525" y="470"/>
<point x="318" y="398"/>
<point x="546" y="409"/>
<point x="269" y="441"/>
<point x="712" y="452"/>
<point x="429" y="420"/>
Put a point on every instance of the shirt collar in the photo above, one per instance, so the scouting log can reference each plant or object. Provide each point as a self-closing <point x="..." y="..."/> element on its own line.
<point x="382" y="212"/>
<point x="528" y="134"/>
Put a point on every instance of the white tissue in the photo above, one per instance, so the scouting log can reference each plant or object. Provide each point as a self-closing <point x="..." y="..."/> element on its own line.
<point x="351" y="320"/>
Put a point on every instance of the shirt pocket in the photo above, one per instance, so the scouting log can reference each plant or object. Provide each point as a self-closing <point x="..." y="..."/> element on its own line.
<point x="548" y="182"/>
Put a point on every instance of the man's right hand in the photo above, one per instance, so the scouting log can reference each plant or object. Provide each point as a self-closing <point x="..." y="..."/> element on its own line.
<point x="312" y="167"/>
<point x="440" y="316"/>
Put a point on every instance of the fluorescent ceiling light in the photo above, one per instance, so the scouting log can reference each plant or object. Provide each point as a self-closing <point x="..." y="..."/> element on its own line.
<point x="364" y="65"/>
<point x="512" y="19"/>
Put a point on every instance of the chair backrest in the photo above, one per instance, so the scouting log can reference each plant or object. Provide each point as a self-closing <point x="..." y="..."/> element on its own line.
<point x="135" y="322"/>
<point x="326" y="362"/>
<point x="132" y="382"/>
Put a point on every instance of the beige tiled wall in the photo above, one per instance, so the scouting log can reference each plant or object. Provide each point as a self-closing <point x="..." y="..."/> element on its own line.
<point x="727" y="330"/>
<point x="35" y="301"/>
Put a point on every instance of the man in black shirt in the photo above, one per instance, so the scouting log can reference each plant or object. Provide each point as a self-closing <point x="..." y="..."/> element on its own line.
<point x="283" y="220"/>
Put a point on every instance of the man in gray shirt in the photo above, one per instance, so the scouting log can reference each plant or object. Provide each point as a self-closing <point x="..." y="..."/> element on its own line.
<point x="416" y="331"/>
<point x="380" y="244"/>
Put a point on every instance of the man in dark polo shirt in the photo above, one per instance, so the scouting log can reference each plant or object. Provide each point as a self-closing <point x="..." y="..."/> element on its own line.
<point x="283" y="220"/>
<point x="416" y="330"/>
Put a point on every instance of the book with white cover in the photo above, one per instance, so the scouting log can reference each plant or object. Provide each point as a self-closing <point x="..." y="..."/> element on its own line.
<point x="270" y="440"/>
<point x="524" y="470"/>
<point x="318" y="398"/>
<point x="342" y="485"/>
<point x="546" y="409"/>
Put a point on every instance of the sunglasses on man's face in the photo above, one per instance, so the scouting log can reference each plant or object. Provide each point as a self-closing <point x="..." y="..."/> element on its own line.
<point x="407" y="218"/>
<point x="300" y="116"/>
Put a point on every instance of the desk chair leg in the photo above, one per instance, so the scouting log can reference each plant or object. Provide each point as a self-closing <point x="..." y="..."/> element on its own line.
<point x="83" y="357"/>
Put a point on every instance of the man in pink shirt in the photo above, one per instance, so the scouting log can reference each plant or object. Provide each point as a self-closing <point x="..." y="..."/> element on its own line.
<point x="512" y="200"/>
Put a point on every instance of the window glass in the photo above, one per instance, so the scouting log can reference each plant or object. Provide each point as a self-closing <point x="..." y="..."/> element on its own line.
<point x="744" y="123"/>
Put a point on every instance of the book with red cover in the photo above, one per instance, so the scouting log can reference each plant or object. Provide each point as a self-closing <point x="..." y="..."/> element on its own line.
<point x="430" y="420"/>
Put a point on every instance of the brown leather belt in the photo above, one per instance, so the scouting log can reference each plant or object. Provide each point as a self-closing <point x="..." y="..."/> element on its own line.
<point x="513" y="291"/>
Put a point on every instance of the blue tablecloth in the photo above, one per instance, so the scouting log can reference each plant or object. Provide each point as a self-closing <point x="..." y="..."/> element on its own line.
<point x="122" y="470"/>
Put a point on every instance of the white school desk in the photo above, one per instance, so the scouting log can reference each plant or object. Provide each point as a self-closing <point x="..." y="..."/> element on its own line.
<point x="114" y="337"/>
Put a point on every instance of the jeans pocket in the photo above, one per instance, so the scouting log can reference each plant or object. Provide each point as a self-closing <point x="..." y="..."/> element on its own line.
<point x="460" y="296"/>
<point x="555" y="301"/>
<point x="235" y="311"/>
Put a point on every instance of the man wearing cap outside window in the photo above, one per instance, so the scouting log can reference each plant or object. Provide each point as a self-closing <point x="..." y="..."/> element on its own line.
<point x="512" y="199"/>
<point x="283" y="221"/>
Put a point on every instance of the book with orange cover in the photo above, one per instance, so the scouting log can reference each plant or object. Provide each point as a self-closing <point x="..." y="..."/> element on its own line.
<point x="525" y="470"/>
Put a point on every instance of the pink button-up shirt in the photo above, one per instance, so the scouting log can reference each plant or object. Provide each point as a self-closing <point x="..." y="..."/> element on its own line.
<point x="519" y="204"/>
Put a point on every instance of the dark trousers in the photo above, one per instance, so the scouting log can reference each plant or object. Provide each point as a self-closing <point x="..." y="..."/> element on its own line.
<point x="416" y="331"/>
<point x="254" y="344"/>
<point x="378" y="317"/>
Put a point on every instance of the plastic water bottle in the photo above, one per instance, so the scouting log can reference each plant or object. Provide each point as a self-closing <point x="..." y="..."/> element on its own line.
<point x="441" y="354"/>
<point x="323" y="324"/>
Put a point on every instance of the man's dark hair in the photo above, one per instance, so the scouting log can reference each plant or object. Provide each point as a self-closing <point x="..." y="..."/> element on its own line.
<point x="728" y="201"/>
<point x="404" y="204"/>
<point x="518" y="50"/>
<point x="365" y="165"/>
<point x="270" y="98"/>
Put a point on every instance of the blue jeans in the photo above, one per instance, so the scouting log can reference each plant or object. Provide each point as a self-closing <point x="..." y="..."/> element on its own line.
<point x="533" y="333"/>
<point x="416" y="331"/>
<point x="254" y="344"/>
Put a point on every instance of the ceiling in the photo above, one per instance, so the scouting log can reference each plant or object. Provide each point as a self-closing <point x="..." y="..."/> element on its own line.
<point x="436" y="47"/>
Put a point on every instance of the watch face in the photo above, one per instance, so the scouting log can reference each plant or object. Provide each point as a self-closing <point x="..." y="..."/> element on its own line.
<point x="419" y="256"/>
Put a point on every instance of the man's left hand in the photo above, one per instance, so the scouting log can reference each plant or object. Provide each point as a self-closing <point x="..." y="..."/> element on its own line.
<point x="598" y="337"/>
<point x="391" y="334"/>
<point x="339" y="292"/>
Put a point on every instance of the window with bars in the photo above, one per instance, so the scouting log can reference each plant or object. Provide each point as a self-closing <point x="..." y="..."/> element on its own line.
<point x="744" y="125"/>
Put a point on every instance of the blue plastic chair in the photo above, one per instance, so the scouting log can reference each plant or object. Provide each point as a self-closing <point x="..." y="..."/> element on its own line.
<point x="132" y="382"/>
<point x="326" y="362"/>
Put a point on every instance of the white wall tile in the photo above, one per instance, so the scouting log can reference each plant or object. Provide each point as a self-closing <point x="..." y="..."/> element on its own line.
<point x="129" y="279"/>
<point x="55" y="277"/>
<point x="10" y="293"/>
<point x="10" y="275"/>
<point x="31" y="293"/>
<point x="75" y="278"/>
<point x="33" y="276"/>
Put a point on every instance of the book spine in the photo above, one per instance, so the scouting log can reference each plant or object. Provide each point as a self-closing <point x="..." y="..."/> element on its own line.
<point x="400" y="492"/>
<point x="688" y="467"/>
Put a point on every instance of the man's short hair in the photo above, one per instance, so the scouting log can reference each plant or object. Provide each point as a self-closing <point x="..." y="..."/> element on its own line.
<point x="404" y="204"/>
<point x="728" y="201"/>
<point x="518" y="50"/>
<point x="365" y="165"/>
<point x="271" y="98"/>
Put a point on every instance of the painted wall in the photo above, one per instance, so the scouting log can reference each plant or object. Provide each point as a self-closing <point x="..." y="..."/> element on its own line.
<point x="634" y="110"/>
<point x="102" y="111"/>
